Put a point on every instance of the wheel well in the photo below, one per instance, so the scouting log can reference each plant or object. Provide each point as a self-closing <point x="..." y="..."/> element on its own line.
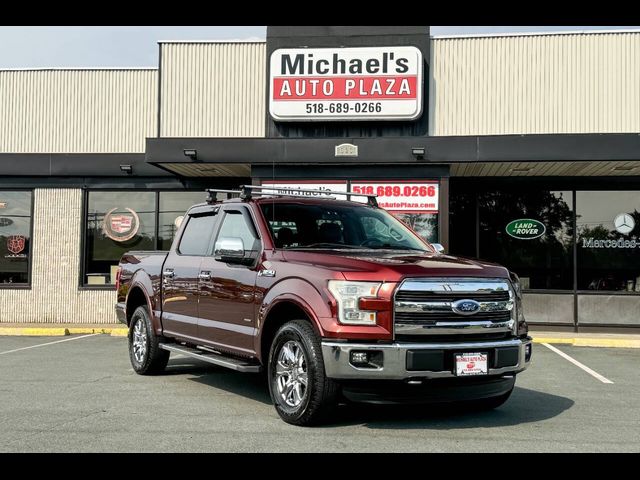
<point x="278" y="316"/>
<point x="135" y="299"/>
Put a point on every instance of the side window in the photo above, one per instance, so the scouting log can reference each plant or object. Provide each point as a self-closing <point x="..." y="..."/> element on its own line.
<point x="197" y="235"/>
<point x="234" y="225"/>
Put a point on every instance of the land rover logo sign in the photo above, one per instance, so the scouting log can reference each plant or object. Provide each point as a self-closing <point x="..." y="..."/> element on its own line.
<point x="525" y="229"/>
<point x="121" y="227"/>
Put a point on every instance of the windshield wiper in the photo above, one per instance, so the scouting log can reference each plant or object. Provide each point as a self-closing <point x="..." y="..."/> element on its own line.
<point x="387" y="246"/>
<point x="324" y="245"/>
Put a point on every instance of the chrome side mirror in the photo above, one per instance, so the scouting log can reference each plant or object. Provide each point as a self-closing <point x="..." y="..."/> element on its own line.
<point x="229" y="249"/>
<point x="439" y="248"/>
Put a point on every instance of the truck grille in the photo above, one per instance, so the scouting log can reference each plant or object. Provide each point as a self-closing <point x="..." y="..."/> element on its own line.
<point x="428" y="307"/>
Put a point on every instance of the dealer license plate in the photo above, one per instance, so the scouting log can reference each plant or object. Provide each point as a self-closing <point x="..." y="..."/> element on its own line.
<point x="471" y="364"/>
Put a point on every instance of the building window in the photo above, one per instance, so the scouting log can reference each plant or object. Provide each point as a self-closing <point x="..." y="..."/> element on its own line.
<point x="119" y="221"/>
<point x="116" y="223"/>
<point x="15" y="237"/>
<point x="531" y="233"/>
<point x="608" y="243"/>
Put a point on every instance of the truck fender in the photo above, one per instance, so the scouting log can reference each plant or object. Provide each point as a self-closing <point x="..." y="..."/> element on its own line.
<point x="307" y="298"/>
<point x="142" y="281"/>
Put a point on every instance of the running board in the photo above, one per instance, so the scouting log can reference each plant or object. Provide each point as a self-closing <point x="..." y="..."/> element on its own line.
<point x="216" y="359"/>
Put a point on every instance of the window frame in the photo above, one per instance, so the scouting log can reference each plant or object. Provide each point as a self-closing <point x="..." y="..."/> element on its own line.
<point x="215" y="212"/>
<point x="29" y="284"/>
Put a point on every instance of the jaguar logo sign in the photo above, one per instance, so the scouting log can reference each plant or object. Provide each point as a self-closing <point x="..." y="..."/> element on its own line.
<point x="465" y="307"/>
<point x="121" y="227"/>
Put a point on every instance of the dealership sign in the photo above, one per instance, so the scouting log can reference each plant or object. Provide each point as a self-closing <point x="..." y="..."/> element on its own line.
<point x="525" y="229"/>
<point x="121" y="227"/>
<point x="401" y="197"/>
<point x="336" y="84"/>
<point x="322" y="189"/>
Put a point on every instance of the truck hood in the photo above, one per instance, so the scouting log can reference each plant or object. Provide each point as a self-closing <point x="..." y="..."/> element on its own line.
<point x="394" y="265"/>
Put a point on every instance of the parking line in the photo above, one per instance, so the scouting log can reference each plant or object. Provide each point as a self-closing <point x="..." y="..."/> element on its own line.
<point x="578" y="364"/>
<point x="50" y="343"/>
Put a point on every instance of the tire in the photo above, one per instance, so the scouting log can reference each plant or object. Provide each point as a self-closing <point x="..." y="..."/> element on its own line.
<point x="145" y="354"/>
<point x="296" y="354"/>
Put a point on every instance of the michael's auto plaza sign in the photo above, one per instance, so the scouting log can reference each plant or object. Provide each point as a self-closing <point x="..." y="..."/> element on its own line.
<point x="337" y="84"/>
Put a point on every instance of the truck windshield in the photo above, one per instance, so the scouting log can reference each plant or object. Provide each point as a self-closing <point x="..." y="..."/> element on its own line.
<point x="308" y="226"/>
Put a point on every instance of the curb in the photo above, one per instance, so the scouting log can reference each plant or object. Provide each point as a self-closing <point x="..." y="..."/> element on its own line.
<point x="60" y="331"/>
<point x="591" y="342"/>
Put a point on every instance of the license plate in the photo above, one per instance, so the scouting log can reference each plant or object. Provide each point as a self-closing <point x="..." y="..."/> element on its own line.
<point x="471" y="364"/>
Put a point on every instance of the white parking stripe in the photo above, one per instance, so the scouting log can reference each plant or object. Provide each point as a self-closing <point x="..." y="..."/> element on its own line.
<point x="49" y="343"/>
<point x="578" y="364"/>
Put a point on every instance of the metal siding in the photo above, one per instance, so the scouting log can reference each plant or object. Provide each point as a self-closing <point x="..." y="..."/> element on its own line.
<point x="54" y="296"/>
<point x="582" y="83"/>
<point x="609" y="309"/>
<point x="548" y="308"/>
<point x="213" y="90"/>
<point x="77" y="111"/>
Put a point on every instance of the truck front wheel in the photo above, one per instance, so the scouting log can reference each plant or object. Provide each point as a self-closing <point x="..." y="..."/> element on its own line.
<point x="147" y="358"/>
<point x="299" y="388"/>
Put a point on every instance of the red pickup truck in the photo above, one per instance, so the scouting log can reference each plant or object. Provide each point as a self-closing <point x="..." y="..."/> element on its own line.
<point x="334" y="299"/>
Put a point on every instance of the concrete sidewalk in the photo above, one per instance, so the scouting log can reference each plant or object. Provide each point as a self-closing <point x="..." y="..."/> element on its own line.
<point x="618" y="340"/>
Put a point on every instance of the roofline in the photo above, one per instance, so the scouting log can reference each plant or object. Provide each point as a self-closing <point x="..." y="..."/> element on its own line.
<point x="535" y="34"/>
<point x="212" y="41"/>
<point x="73" y="69"/>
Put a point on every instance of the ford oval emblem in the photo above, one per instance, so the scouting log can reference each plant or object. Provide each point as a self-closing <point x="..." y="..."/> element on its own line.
<point x="465" y="307"/>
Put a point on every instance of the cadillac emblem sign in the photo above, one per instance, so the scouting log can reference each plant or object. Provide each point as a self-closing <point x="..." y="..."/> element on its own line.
<point x="16" y="244"/>
<point x="121" y="227"/>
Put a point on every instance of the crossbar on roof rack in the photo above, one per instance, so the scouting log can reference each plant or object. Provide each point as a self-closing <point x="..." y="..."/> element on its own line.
<point x="246" y="193"/>
<point x="371" y="198"/>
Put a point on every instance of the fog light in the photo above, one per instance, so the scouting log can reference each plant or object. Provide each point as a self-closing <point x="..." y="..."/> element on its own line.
<point x="527" y="352"/>
<point x="359" y="358"/>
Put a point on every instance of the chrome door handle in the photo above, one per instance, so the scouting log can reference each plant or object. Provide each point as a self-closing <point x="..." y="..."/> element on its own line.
<point x="168" y="273"/>
<point x="206" y="276"/>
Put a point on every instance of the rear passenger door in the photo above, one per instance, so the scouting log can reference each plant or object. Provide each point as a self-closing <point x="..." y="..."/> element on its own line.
<point x="181" y="270"/>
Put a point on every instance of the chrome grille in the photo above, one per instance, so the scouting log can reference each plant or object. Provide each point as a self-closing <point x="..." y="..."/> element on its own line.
<point x="426" y="307"/>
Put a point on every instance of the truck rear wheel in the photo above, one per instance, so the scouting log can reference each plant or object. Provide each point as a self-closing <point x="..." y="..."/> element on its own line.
<point x="147" y="358"/>
<point x="299" y="388"/>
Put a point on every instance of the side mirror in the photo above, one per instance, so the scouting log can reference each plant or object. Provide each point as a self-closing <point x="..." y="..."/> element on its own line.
<point x="439" y="248"/>
<point x="229" y="250"/>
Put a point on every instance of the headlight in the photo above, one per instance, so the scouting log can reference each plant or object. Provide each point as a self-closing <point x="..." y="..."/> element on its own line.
<point x="348" y="295"/>
<point x="521" y="323"/>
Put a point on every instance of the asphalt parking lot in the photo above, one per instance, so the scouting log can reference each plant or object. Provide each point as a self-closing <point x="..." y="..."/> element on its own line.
<point x="80" y="394"/>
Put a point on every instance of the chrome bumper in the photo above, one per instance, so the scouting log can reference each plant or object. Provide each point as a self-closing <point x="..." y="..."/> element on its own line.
<point x="337" y="359"/>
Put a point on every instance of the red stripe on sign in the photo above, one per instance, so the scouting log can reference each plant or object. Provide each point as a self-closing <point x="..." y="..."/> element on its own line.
<point x="345" y="88"/>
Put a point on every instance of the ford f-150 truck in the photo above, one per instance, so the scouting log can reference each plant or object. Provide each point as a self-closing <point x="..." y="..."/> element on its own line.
<point x="336" y="300"/>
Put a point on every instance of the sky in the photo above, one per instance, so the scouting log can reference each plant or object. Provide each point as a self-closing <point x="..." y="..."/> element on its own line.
<point x="127" y="46"/>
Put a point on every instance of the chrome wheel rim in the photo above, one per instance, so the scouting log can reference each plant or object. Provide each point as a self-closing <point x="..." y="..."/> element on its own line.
<point x="139" y="341"/>
<point x="291" y="374"/>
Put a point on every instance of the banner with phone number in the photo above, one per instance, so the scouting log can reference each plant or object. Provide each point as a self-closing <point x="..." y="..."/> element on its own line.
<point x="404" y="197"/>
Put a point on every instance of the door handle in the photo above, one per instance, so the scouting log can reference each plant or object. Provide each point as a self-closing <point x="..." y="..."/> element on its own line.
<point x="206" y="276"/>
<point x="168" y="273"/>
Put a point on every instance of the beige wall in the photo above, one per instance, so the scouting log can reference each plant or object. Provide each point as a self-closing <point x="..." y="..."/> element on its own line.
<point x="578" y="83"/>
<point x="54" y="296"/>
<point x="77" y="111"/>
<point x="213" y="89"/>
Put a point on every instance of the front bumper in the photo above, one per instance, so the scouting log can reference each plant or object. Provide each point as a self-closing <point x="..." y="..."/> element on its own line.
<point x="399" y="359"/>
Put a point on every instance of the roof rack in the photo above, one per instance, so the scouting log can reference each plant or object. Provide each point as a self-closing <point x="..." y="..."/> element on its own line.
<point x="246" y="192"/>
